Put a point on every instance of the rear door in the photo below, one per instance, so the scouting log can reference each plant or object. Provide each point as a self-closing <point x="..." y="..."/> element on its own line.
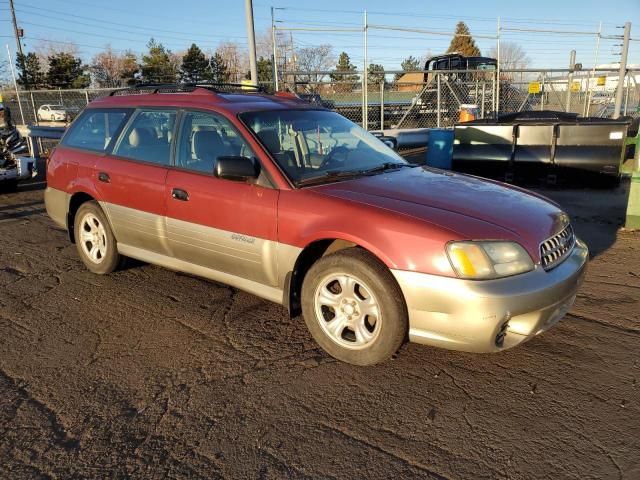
<point x="225" y="225"/>
<point x="131" y="181"/>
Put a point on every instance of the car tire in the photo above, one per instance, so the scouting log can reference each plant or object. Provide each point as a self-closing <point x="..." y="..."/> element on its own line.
<point x="95" y="242"/>
<point x="354" y="308"/>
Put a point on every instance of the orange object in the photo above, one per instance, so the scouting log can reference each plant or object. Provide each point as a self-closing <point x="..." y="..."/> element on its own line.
<point x="468" y="112"/>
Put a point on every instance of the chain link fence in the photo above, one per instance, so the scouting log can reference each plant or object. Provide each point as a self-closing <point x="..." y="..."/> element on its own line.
<point x="401" y="99"/>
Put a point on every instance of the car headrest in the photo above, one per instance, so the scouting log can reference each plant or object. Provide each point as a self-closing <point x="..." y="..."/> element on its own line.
<point x="271" y="139"/>
<point x="140" y="136"/>
<point x="207" y="144"/>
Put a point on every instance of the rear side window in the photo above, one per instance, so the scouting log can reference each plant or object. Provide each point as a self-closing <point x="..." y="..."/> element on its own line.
<point x="94" y="129"/>
<point x="148" y="137"/>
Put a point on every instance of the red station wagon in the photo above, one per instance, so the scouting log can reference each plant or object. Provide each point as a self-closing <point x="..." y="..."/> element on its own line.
<point x="298" y="205"/>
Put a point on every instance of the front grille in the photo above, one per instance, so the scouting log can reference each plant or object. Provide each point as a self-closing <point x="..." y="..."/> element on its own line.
<point x="555" y="249"/>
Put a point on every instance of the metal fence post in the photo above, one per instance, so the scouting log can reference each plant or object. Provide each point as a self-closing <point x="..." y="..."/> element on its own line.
<point x="484" y="87"/>
<point x="542" y="92"/>
<point x="494" y="105"/>
<point x="626" y="94"/>
<point x="382" y="106"/>
<point x="33" y="105"/>
<point x="86" y="96"/>
<point x="572" y="63"/>
<point x="439" y="97"/>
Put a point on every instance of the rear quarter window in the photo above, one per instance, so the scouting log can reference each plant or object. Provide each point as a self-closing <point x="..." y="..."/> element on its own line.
<point x="95" y="128"/>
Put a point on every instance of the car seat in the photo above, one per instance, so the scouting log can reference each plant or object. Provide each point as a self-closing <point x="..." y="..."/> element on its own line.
<point x="207" y="147"/>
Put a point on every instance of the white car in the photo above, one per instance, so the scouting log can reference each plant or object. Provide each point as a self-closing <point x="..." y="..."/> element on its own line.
<point x="52" y="113"/>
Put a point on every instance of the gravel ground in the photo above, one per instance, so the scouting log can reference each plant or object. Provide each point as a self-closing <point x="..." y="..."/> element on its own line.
<point x="148" y="373"/>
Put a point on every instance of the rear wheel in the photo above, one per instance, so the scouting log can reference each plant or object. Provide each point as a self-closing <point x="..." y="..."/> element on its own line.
<point x="94" y="240"/>
<point x="354" y="308"/>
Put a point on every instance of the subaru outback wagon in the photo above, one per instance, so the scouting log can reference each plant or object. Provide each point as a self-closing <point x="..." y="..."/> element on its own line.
<point x="298" y="205"/>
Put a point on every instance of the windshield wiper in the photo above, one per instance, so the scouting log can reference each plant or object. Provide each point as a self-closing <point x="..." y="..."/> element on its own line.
<point x="386" y="166"/>
<point x="328" y="175"/>
<point x="338" y="174"/>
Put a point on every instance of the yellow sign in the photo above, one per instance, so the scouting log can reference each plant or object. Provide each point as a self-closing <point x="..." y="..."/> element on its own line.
<point x="602" y="80"/>
<point x="534" y="87"/>
<point x="575" y="86"/>
<point x="0" y="98"/>
<point x="247" y="85"/>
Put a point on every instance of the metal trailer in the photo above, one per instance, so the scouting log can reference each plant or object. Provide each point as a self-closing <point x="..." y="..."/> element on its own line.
<point x="542" y="144"/>
<point x="22" y="168"/>
<point x="13" y="167"/>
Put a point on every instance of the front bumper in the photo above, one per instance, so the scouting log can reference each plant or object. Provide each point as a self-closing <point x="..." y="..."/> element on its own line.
<point x="470" y="315"/>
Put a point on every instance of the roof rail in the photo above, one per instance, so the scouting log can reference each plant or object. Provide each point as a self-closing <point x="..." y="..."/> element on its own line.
<point x="215" y="87"/>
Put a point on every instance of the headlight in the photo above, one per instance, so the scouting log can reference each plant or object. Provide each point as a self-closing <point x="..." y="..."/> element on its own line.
<point x="482" y="260"/>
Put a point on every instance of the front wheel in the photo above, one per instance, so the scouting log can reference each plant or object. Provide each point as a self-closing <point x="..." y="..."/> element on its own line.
<point x="354" y="308"/>
<point x="94" y="240"/>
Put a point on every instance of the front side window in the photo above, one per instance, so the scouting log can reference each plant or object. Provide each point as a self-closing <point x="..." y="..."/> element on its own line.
<point x="204" y="138"/>
<point x="313" y="144"/>
<point x="94" y="129"/>
<point x="148" y="137"/>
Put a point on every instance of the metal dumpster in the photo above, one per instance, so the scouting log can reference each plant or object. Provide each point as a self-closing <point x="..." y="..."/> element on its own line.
<point x="543" y="143"/>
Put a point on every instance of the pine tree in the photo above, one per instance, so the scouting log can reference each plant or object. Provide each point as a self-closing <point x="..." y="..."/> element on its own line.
<point x="463" y="43"/>
<point x="195" y="65"/>
<point x="345" y="75"/>
<point x="29" y="70"/>
<point x="219" y="71"/>
<point x="410" y="64"/>
<point x="265" y="70"/>
<point x="156" y="65"/>
<point x="67" y="71"/>
<point x="375" y="76"/>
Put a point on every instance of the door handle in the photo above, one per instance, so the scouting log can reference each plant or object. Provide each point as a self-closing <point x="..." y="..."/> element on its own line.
<point x="104" y="177"/>
<point x="180" y="194"/>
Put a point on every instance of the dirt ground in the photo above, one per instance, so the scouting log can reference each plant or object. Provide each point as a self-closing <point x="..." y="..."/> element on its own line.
<point x="147" y="373"/>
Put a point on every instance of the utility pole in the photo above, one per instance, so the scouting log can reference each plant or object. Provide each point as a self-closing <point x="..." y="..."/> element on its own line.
<point x="251" y="36"/>
<point x="17" y="31"/>
<point x="275" y="51"/>
<point x="365" y="96"/>
<point x="623" y="69"/>
<point x="294" y="61"/>
<point x="496" y="98"/>
<point x="15" y="84"/>
<point x="572" y="65"/>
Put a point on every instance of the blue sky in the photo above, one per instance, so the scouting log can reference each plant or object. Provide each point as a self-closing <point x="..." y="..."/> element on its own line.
<point x="129" y="25"/>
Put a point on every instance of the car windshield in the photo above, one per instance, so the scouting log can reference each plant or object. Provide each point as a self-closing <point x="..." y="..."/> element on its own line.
<point x="314" y="146"/>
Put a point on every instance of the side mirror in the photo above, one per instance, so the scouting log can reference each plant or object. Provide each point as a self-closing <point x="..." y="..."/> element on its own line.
<point x="236" y="168"/>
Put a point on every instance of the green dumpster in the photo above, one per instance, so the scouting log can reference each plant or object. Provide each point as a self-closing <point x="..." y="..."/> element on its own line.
<point x="633" y="207"/>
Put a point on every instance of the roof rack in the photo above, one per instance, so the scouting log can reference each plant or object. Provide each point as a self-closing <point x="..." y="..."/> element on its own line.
<point x="216" y="87"/>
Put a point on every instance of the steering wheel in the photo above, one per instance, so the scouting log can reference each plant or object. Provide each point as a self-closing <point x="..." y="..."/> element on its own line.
<point x="329" y="160"/>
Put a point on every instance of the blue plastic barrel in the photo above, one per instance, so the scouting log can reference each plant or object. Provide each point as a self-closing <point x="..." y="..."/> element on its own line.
<point x="440" y="148"/>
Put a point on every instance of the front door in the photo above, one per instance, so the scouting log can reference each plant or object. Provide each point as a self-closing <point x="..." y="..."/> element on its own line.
<point x="224" y="225"/>
<point x="131" y="181"/>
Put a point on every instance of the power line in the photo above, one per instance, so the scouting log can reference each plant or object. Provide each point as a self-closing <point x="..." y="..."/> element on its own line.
<point x="65" y="16"/>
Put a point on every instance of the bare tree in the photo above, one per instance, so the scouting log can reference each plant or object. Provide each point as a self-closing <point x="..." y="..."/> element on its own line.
<point x="512" y="56"/>
<point x="313" y="59"/>
<point x="235" y="59"/>
<point x="264" y="44"/>
<point x="48" y="48"/>
<point x="112" y="69"/>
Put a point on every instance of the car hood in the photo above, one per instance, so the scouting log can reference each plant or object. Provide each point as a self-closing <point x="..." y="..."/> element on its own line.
<point x="514" y="213"/>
